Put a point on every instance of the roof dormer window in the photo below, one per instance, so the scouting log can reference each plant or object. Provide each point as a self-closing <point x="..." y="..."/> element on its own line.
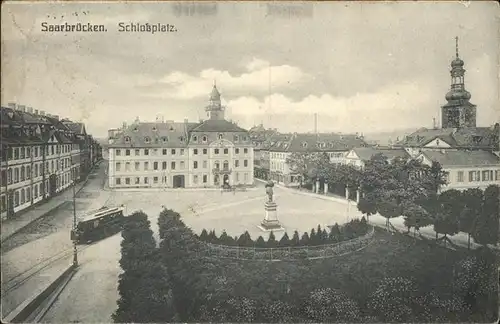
<point x="154" y="129"/>
<point x="219" y="136"/>
<point x="171" y="128"/>
<point x="330" y="145"/>
<point x="147" y="139"/>
<point x="195" y="138"/>
<point x="127" y="139"/>
<point x="135" y="129"/>
<point x="304" y="144"/>
<point x="164" y="139"/>
<point x="204" y="139"/>
<point x="181" y="138"/>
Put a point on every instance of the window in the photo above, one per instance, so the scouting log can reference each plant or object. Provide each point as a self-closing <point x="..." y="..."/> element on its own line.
<point x="28" y="172"/>
<point x="195" y="164"/>
<point x="217" y="165"/>
<point x="195" y="138"/>
<point x="226" y="151"/>
<point x="127" y="152"/>
<point x="164" y="139"/>
<point x="237" y="151"/>
<point x="246" y="177"/>
<point x="245" y="163"/>
<point x="155" y="179"/>
<point x="173" y="151"/>
<point x="226" y="165"/>
<point x="195" y="151"/>
<point x="474" y="176"/>
<point x="236" y="163"/>
<point x="219" y="136"/>
<point x="245" y="150"/>
<point x="137" y="166"/>
<point x="147" y="139"/>
<point x="52" y="150"/>
<point x="204" y="151"/>
<point x="137" y="152"/>
<point x="118" y="166"/>
<point x="497" y="175"/>
<point x="127" y="181"/>
<point x="172" y="165"/>
<point x="182" y="151"/>
<point x="460" y="176"/>
<point x="146" y="180"/>
<point x="205" y="178"/>
<point x="164" y="151"/>
<point x="137" y="180"/>
<point x="182" y="165"/>
<point x="146" y="151"/>
<point x="35" y="191"/>
<point x="181" y="138"/>
<point x="216" y="151"/>
<point x="118" y="152"/>
<point x="164" y="165"/>
<point x="204" y="164"/>
<point x="204" y="139"/>
<point x="236" y="138"/>
<point x="155" y="165"/>
<point x="195" y="179"/>
<point x="237" y="176"/>
<point x="486" y="175"/>
<point x="127" y="166"/>
<point x="127" y="139"/>
<point x="23" y="196"/>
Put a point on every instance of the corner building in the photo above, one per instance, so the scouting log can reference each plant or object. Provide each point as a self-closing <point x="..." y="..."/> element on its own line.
<point x="172" y="154"/>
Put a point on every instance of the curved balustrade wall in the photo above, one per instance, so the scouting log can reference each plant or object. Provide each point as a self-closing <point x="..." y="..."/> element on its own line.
<point x="286" y="253"/>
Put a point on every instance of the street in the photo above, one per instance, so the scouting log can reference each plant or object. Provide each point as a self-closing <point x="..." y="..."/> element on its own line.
<point x="94" y="286"/>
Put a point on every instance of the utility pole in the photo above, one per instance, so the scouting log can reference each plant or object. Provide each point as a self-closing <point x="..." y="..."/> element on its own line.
<point x="75" y="255"/>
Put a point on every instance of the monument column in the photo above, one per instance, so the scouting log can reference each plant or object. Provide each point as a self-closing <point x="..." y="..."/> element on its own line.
<point x="270" y="222"/>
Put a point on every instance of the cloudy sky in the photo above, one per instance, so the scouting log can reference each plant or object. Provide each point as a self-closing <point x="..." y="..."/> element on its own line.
<point x="362" y="67"/>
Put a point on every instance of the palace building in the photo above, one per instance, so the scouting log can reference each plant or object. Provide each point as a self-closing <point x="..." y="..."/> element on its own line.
<point x="185" y="154"/>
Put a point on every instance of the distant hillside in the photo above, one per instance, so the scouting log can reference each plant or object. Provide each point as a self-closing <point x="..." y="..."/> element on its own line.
<point x="383" y="138"/>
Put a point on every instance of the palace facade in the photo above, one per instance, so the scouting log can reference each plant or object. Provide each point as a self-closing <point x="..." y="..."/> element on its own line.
<point x="185" y="154"/>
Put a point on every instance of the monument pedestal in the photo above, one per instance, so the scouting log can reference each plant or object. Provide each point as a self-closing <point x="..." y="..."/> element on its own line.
<point x="271" y="222"/>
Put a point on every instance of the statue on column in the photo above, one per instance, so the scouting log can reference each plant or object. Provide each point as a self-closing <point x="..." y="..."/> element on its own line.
<point x="269" y="190"/>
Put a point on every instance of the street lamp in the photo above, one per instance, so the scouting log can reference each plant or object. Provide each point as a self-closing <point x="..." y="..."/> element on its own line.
<point x="75" y="255"/>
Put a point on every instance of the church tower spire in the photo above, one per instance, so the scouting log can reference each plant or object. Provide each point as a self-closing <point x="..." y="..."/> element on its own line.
<point x="215" y="110"/>
<point x="458" y="112"/>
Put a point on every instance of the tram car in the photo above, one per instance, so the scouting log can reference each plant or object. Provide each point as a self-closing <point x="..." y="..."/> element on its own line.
<point x="99" y="224"/>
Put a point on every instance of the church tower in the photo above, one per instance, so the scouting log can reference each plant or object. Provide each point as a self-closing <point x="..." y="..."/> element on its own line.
<point x="215" y="110"/>
<point x="458" y="112"/>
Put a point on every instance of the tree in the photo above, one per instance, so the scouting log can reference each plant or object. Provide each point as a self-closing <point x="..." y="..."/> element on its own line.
<point x="295" y="241"/>
<point x="367" y="205"/>
<point x="388" y="209"/>
<point x="299" y="163"/>
<point x="204" y="235"/>
<point x="486" y="229"/>
<point x="145" y="292"/>
<point x="212" y="237"/>
<point x="450" y="207"/>
<point x="271" y="241"/>
<point x="329" y="305"/>
<point x="285" y="241"/>
<point x="392" y="299"/>
<point x="473" y="204"/>
<point x="415" y="216"/>
<point x="313" y="240"/>
<point x="245" y="240"/>
<point x="260" y="242"/>
<point x="304" y="240"/>
<point x="335" y="234"/>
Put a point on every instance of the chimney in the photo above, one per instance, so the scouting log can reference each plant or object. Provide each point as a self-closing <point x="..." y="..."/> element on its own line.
<point x="55" y="117"/>
<point x="42" y="113"/>
<point x="21" y="108"/>
<point x="124" y="125"/>
<point x="36" y="111"/>
<point x="12" y="105"/>
<point x="29" y="109"/>
<point x="186" y="121"/>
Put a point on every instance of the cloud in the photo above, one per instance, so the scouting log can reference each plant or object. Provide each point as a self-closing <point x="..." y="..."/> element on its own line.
<point x="256" y="80"/>
<point x="360" y="111"/>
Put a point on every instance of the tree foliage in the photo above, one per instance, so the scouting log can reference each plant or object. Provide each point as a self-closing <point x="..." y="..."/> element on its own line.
<point x="486" y="229"/>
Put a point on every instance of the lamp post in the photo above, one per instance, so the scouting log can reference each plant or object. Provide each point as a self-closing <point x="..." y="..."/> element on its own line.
<point x="75" y="255"/>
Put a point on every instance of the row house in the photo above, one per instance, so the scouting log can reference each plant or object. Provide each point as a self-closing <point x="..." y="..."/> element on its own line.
<point x="39" y="158"/>
<point x="465" y="169"/>
<point x="172" y="154"/>
<point x="336" y="146"/>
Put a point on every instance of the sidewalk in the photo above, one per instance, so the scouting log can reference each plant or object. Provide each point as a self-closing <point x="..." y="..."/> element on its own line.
<point x="459" y="239"/>
<point x="12" y="226"/>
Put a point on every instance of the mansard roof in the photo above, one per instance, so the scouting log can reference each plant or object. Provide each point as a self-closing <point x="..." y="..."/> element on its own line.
<point x="213" y="125"/>
<point x="450" y="158"/>
<point x="167" y="134"/>
<point x="366" y="153"/>
<point x="323" y="142"/>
